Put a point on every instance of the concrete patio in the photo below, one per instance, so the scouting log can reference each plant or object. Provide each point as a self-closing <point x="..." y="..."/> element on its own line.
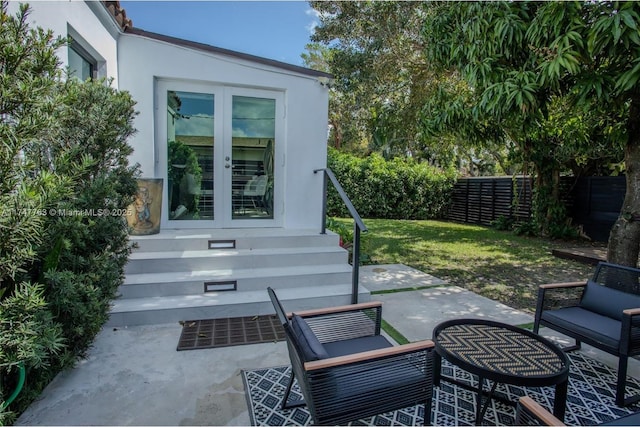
<point x="135" y="376"/>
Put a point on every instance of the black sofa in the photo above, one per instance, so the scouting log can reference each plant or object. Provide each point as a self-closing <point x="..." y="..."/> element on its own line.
<point x="603" y="312"/>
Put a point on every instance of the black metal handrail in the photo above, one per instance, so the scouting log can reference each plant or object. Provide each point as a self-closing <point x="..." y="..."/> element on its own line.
<point x="358" y="226"/>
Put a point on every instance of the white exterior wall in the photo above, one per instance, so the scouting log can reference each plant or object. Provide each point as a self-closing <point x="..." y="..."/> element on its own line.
<point x="143" y="60"/>
<point x="88" y="23"/>
<point x="135" y="62"/>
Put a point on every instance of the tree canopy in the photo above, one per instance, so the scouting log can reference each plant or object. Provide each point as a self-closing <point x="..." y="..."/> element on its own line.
<point x="553" y="85"/>
<point x="530" y="63"/>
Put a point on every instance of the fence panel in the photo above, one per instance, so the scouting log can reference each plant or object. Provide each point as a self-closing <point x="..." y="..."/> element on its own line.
<point x="596" y="204"/>
<point x="592" y="202"/>
<point x="480" y="200"/>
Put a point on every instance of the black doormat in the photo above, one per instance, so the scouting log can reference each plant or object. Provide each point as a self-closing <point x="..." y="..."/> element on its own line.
<point x="197" y="334"/>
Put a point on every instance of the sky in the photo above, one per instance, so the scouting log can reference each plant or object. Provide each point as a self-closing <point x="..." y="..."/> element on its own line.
<point x="276" y="30"/>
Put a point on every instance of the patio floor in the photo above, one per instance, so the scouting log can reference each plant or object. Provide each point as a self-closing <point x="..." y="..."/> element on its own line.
<point x="135" y="376"/>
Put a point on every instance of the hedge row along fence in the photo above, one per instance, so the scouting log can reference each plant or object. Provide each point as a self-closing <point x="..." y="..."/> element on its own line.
<point x="394" y="189"/>
<point x="401" y="189"/>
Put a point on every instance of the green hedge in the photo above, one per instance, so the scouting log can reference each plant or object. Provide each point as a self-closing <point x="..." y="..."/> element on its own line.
<point x="65" y="183"/>
<point x="395" y="189"/>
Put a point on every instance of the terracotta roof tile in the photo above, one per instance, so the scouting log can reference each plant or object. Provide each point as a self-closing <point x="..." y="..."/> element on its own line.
<point x="118" y="13"/>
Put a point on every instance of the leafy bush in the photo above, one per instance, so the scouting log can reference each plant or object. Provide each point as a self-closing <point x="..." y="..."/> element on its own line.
<point x="526" y="228"/>
<point x="65" y="182"/>
<point x="28" y="75"/>
<point x="395" y="189"/>
<point x="28" y="335"/>
<point x="344" y="229"/>
<point x="503" y="223"/>
<point x="91" y="147"/>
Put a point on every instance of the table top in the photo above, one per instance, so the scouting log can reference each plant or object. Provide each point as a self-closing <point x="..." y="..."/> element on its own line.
<point x="501" y="352"/>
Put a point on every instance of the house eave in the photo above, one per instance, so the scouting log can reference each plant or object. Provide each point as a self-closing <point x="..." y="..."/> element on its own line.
<point x="227" y="52"/>
<point x="105" y="17"/>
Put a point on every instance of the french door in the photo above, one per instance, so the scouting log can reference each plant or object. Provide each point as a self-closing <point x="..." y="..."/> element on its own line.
<point x="218" y="151"/>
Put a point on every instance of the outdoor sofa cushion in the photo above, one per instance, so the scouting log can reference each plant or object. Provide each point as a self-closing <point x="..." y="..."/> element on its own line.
<point x="311" y="347"/>
<point x="586" y="323"/>
<point x="627" y="420"/>
<point x="608" y="301"/>
<point x="356" y="345"/>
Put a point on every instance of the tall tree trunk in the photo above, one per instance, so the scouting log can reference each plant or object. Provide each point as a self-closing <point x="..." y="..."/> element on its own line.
<point x="624" y="240"/>
<point x="337" y="134"/>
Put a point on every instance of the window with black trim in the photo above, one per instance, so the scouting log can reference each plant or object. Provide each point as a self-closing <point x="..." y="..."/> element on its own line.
<point x="81" y="64"/>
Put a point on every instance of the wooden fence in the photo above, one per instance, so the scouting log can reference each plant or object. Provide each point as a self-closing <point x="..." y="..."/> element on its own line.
<point x="482" y="200"/>
<point x="595" y="204"/>
<point x="592" y="202"/>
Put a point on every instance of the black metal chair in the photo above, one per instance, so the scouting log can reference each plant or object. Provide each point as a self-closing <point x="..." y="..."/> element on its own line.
<point x="603" y="312"/>
<point x="531" y="413"/>
<point x="346" y="370"/>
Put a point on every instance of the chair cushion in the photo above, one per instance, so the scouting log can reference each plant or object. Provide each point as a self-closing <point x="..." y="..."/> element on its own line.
<point x="312" y="348"/>
<point x="356" y="345"/>
<point x="590" y="325"/>
<point x="608" y="301"/>
<point x="627" y="420"/>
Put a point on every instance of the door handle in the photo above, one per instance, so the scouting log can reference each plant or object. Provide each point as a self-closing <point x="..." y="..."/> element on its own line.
<point x="227" y="165"/>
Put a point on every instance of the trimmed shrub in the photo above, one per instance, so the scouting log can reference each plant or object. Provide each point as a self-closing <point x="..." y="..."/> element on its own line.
<point x="395" y="189"/>
<point x="65" y="183"/>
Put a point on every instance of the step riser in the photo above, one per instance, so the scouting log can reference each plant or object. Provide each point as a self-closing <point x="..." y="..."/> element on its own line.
<point x="166" y="274"/>
<point x="150" y="317"/>
<point x="166" y="265"/>
<point x="244" y="284"/>
<point x="200" y="243"/>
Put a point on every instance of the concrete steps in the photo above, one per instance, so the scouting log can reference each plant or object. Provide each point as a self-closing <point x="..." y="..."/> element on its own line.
<point x="174" y="275"/>
<point x="168" y="309"/>
<point x="248" y="279"/>
<point x="170" y="261"/>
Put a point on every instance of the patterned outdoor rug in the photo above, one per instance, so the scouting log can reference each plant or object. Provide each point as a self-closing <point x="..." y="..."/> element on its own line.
<point x="590" y="399"/>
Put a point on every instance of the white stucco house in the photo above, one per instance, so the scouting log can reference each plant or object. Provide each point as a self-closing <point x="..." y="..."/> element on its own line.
<point x="235" y="139"/>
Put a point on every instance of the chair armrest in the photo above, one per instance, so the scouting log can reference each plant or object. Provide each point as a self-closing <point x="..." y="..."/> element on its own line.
<point x="368" y="355"/>
<point x="631" y="312"/>
<point x="630" y="323"/>
<point x="563" y="285"/>
<point x="337" y="309"/>
<point x="530" y="410"/>
<point x="556" y="295"/>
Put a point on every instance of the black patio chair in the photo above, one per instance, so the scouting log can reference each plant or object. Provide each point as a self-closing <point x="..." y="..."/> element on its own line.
<point x="531" y="413"/>
<point x="603" y="312"/>
<point x="346" y="370"/>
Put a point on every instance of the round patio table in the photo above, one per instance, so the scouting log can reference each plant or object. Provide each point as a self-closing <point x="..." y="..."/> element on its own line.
<point x="501" y="353"/>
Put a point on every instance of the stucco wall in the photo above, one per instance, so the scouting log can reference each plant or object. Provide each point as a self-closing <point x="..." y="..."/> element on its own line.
<point x="88" y="23"/>
<point x="143" y="60"/>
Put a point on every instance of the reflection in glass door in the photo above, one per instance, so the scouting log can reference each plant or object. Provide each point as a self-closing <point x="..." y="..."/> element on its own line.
<point x="190" y="160"/>
<point x="253" y="146"/>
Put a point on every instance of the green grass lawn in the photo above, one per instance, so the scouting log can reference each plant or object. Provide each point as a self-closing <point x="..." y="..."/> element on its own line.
<point x="497" y="264"/>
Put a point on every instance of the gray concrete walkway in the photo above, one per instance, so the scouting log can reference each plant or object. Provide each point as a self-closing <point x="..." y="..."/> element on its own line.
<point x="135" y="376"/>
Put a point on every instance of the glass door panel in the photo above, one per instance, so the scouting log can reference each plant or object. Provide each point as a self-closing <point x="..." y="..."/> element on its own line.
<point x="190" y="156"/>
<point x="253" y="142"/>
